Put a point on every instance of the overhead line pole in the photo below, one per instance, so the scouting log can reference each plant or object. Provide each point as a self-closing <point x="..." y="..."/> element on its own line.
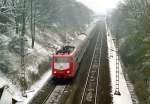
<point x="31" y="24"/>
<point x="22" y="43"/>
<point x="34" y="15"/>
<point x="117" y="92"/>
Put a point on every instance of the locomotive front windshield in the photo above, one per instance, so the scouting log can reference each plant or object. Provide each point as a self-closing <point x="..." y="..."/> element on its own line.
<point x="61" y="60"/>
<point x="61" y="63"/>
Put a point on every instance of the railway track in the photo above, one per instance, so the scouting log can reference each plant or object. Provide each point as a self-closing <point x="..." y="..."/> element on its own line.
<point x="43" y="93"/>
<point x="105" y="89"/>
<point x="54" y="97"/>
<point x="90" y="90"/>
<point x="51" y="93"/>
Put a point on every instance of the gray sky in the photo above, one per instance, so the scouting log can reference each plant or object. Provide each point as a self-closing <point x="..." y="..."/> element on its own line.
<point x="100" y="6"/>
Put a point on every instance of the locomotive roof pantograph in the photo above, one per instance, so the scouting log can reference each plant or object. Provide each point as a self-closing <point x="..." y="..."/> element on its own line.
<point x="66" y="49"/>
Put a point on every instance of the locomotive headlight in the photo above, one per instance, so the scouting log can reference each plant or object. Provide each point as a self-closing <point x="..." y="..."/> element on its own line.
<point x="68" y="72"/>
<point x="55" y="72"/>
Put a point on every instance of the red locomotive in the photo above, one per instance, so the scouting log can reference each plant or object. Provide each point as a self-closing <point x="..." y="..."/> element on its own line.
<point x="66" y="61"/>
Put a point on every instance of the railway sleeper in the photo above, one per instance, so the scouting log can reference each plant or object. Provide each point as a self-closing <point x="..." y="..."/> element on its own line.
<point x="89" y="97"/>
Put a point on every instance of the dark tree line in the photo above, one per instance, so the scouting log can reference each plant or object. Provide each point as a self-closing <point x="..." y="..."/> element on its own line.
<point x="63" y="13"/>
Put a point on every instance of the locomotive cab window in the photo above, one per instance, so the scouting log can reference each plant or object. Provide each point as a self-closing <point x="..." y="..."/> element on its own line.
<point x="61" y="60"/>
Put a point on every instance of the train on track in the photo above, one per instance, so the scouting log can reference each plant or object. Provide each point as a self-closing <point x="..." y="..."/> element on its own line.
<point x="65" y="61"/>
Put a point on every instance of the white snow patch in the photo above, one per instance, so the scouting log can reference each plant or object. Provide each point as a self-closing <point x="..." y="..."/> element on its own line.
<point x="6" y="97"/>
<point x="38" y="48"/>
<point x="4" y="37"/>
<point x="82" y="37"/>
<point x="32" y="68"/>
<point x="54" y="25"/>
<point x="12" y="91"/>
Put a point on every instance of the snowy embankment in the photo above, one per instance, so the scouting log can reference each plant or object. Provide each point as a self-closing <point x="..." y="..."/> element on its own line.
<point x="33" y="58"/>
<point x="35" y="88"/>
<point x="125" y="97"/>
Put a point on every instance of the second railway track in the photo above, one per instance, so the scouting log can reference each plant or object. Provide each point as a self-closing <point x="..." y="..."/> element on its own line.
<point x="89" y="95"/>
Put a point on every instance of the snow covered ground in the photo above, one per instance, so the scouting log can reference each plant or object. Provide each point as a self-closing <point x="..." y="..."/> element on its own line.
<point x="125" y="97"/>
<point x="35" y="56"/>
